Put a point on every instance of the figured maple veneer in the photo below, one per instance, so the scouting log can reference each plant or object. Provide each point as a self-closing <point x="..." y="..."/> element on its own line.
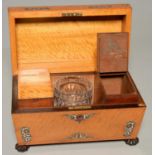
<point x="33" y="84"/>
<point x="58" y="45"/>
<point x="56" y="127"/>
<point x="46" y="39"/>
<point x="64" y="40"/>
<point x="61" y="44"/>
<point x="39" y="83"/>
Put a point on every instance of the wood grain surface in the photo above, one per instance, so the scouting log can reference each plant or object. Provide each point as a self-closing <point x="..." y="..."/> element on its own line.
<point x="112" y="52"/>
<point x="42" y="38"/>
<point x="34" y="84"/>
<point x="57" y="128"/>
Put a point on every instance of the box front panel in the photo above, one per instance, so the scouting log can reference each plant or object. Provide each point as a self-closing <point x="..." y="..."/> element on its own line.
<point x="77" y="126"/>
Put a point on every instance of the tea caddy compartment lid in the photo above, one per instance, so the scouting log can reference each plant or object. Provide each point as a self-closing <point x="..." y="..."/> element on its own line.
<point x="112" y="52"/>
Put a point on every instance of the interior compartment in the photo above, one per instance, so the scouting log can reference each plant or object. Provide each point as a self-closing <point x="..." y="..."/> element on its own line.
<point x="118" y="89"/>
<point x="108" y="90"/>
<point x="36" y="87"/>
<point x="117" y="85"/>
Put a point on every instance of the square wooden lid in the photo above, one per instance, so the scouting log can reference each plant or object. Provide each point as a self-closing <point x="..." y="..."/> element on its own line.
<point x="112" y="55"/>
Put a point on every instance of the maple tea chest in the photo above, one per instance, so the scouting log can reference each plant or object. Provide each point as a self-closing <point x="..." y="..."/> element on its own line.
<point x="49" y="43"/>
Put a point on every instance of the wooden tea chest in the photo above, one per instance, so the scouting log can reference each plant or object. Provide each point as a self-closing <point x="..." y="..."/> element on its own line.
<point x="48" y="43"/>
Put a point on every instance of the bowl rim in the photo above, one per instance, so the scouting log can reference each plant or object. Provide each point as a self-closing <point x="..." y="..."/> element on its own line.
<point x="82" y="80"/>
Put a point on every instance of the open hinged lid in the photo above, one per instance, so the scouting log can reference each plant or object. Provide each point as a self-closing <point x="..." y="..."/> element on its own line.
<point x="112" y="53"/>
<point x="62" y="39"/>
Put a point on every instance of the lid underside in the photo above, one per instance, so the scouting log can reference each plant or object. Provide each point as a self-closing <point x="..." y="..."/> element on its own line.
<point x="63" y="44"/>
